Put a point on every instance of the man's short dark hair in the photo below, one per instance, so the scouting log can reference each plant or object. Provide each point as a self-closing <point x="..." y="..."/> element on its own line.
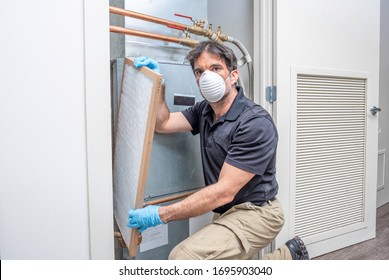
<point x="225" y="53"/>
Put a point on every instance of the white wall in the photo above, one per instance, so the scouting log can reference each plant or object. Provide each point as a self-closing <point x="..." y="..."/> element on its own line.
<point x="338" y="35"/>
<point x="46" y="149"/>
<point x="383" y="137"/>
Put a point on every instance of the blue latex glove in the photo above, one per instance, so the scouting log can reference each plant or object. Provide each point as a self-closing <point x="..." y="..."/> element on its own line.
<point x="148" y="62"/>
<point x="144" y="218"/>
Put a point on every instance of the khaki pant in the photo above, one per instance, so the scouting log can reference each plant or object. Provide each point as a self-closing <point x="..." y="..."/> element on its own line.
<point x="237" y="234"/>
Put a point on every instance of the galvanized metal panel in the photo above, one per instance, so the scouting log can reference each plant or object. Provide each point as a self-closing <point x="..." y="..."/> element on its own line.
<point x="175" y="162"/>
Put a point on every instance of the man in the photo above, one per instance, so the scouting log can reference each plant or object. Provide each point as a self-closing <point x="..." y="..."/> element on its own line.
<point x="238" y="146"/>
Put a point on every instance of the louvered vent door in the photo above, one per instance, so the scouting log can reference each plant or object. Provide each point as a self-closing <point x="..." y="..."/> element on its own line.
<point x="329" y="155"/>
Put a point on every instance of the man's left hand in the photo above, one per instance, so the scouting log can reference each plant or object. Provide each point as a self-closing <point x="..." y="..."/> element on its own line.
<point x="147" y="62"/>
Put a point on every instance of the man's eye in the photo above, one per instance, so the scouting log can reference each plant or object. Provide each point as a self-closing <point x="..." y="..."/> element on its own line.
<point x="198" y="73"/>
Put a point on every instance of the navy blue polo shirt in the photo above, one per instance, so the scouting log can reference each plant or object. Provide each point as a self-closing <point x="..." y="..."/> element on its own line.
<point x="244" y="137"/>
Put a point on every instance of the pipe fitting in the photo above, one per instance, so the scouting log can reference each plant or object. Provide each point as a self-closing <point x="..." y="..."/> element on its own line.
<point x="188" y="42"/>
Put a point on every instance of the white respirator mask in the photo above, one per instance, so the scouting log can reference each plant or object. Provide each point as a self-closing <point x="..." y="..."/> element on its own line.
<point x="212" y="86"/>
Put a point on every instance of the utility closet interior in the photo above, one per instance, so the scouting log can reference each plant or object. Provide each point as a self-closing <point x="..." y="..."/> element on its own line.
<point x="166" y="31"/>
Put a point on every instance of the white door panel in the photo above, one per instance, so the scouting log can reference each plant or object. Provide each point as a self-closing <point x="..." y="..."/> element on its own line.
<point x="327" y="61"/>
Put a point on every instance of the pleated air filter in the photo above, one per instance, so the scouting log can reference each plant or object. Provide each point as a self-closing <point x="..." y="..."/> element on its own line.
<point x="330" y="153"/>
<point x="139" y="99"/>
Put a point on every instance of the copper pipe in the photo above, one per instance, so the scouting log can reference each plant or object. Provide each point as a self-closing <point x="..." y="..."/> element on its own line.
<point x="145" y="17"/>
<point x="195" y="29"/>
<point x="167" y="199"/>
<point x="133" y="32"/>
<point x="182" y="41"/>
<point x="119" y="236"/>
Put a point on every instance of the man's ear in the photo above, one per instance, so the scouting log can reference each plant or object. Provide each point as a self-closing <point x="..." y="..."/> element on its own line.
<point x="234" y="76"/>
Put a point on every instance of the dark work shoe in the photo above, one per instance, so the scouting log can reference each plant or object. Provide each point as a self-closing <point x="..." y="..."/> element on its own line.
<point x="297" y="249"/>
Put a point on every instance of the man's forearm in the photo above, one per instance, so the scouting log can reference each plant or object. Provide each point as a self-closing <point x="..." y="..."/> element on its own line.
<point x="201" y="202"/>
<point x="168" y="122"/>
<point x="231" y="180"/>
<point x="163" y="112"/>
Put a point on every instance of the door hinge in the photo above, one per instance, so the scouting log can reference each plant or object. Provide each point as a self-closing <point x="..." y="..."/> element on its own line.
<point x="271" y="94"/>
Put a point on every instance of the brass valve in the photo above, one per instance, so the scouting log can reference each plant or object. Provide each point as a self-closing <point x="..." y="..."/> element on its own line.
<point x="188" y="42"/>
<point x="201" y="23"/>
<point x="221" y="36"/>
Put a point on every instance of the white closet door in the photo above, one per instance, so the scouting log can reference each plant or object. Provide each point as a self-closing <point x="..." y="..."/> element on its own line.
<point x="327" y="62"/>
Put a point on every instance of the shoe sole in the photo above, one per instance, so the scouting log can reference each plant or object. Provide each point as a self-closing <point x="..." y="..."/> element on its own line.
<point x="302" y="248"/>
